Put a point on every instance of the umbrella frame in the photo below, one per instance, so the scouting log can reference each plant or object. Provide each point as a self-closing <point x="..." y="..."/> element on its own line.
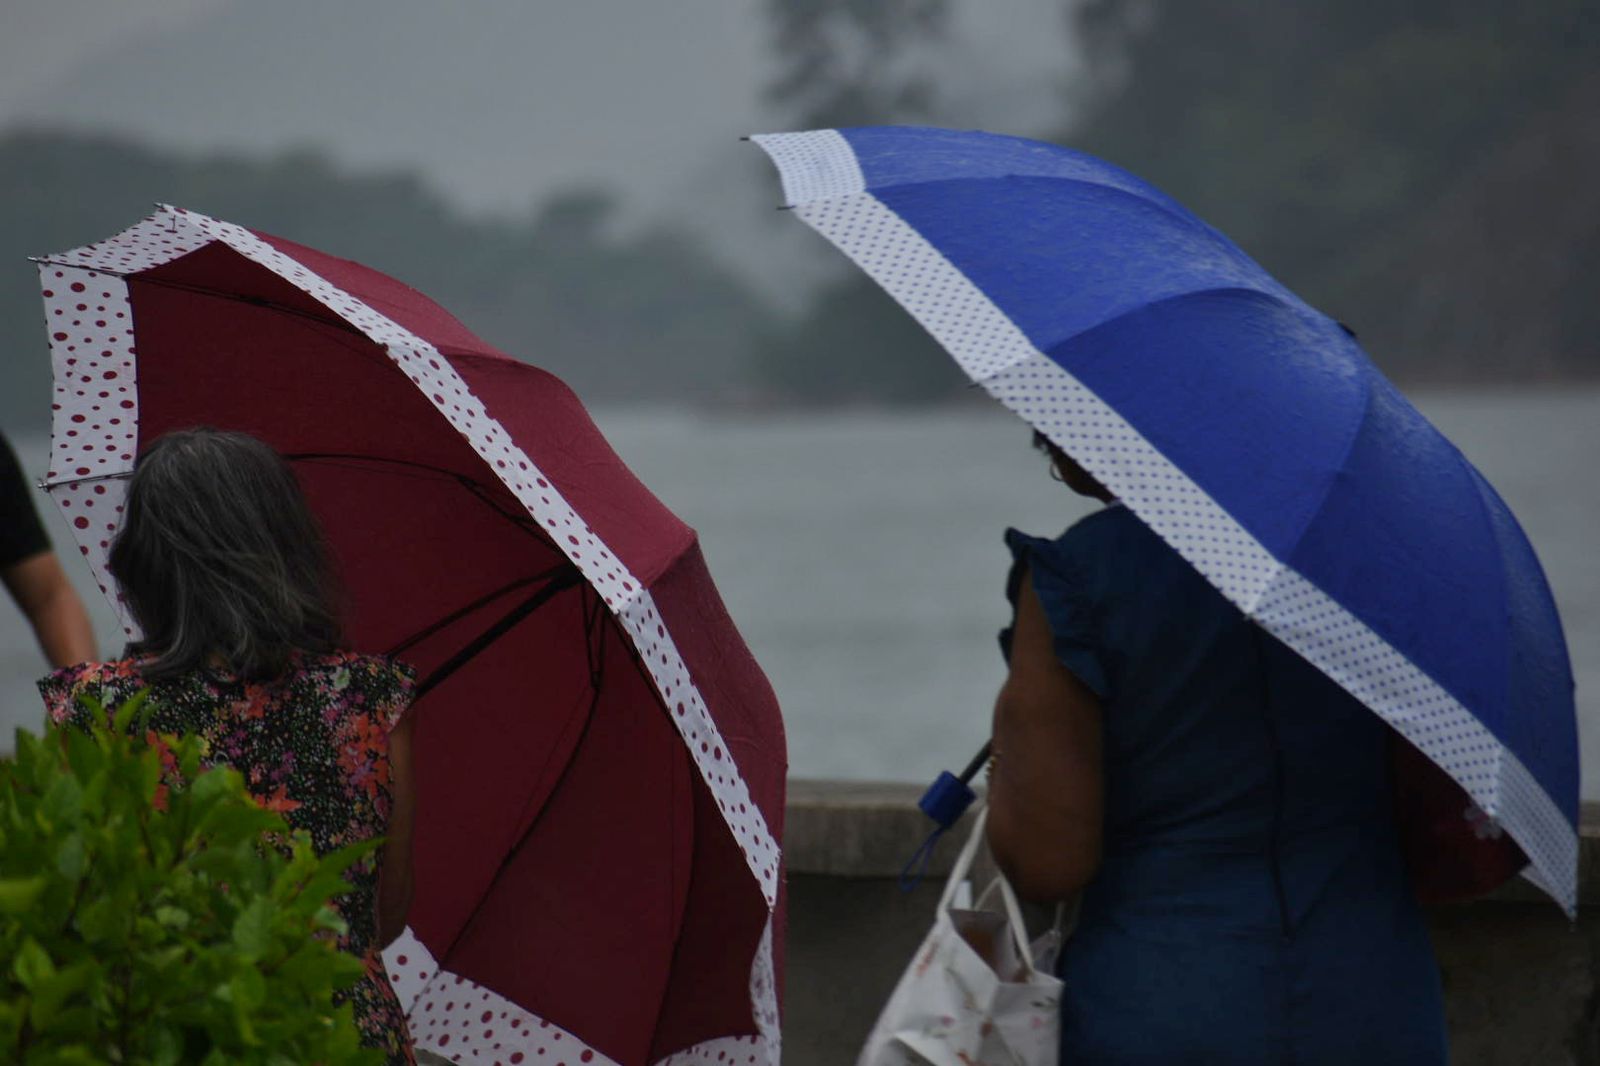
<point x="824" y="186"/>
<point x="90" y="320"/>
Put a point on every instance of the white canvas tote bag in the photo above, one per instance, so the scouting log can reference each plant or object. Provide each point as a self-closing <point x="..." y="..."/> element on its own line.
<point x="977" y="993"/>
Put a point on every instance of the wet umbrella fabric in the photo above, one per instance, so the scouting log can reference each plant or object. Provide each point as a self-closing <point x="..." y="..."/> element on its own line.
<point x="600" y="761"/>
<point x="1243" y="426"/>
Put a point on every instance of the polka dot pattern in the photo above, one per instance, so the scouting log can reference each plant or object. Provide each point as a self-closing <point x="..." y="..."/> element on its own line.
<point x="94" y="432"/>
<point x="1000" y="357"/>
<point x="94" y="409"/>
<point x="158" y="239"/>
<point x="814" y="166"/>
<point x="467" y="1023"/>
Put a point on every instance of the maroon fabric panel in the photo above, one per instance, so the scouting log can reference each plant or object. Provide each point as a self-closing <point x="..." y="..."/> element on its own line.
<point x="581" y="921"/>
<point x="740" y="700"/>
<point x="730" y="680"/>
<point x="709" y="993"/>
<point x="546" y="419"/>
<point x="387" y="296"/>
<point x="216" y="272"/>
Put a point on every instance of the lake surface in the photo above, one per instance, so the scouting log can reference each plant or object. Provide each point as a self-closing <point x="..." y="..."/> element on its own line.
<point x="860" y="553"/>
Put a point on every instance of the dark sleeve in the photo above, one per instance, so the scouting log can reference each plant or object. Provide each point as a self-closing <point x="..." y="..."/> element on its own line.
<point x="391" y="685"/>
<point x="21" y="535"/>
<point x="1068" y="602"/>
<point x="61" y="691"/>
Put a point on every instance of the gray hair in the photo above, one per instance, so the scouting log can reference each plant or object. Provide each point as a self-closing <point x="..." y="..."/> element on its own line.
<point x="220" y="559"/>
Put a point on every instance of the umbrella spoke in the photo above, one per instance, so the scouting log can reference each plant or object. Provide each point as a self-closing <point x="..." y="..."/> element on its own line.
<point x="564" y="579"/>
<point x="521" y="520"/>
<point x="455" y="616"/>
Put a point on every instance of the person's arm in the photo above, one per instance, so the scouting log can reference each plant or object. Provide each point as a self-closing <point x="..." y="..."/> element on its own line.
<point x="394" y="883"/>
<point x="46" y="597"/>
<point x="1046" y="795"/>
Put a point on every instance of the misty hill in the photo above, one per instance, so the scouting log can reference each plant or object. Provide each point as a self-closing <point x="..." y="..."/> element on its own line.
<point x="1427" y="171"/>
<point x="646" y="316"/>
<point x="1424" y="171"/>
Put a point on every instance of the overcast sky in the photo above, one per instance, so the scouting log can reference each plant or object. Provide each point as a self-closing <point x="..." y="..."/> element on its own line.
<point x="496" y="102"/>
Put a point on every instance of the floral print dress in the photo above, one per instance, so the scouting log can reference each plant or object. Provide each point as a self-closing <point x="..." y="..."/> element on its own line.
<point x="312" y="745"/>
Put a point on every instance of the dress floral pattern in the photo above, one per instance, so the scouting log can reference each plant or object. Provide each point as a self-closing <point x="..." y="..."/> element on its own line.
<point x="313" y="746"/>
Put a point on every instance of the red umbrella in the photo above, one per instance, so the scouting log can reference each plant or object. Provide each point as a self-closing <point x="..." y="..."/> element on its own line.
<point x="600" y="761"/>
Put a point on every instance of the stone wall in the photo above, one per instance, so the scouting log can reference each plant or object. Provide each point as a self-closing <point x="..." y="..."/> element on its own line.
<point x="1519" y="977"/>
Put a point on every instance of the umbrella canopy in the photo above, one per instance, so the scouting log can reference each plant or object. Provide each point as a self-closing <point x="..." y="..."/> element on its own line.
<point x="1245" y="427"/>
<point x="600" y="762"/>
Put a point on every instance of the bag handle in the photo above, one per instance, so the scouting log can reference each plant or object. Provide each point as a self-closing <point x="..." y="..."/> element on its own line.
<point x="963" y="863"/>
<point x="1008" y="898"/>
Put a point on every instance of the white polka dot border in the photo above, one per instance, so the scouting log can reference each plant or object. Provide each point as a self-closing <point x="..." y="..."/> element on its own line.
<point x="468" y="1024"/>
<point x="94" y="426"/>
<point x="995" y="353"/>
<point x="818" y="165"/>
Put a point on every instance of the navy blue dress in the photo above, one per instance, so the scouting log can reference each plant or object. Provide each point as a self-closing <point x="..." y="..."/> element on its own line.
<point x="1252" y="905"/>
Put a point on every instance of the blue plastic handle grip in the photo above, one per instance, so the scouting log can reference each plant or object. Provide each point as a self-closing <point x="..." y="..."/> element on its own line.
<point x="947" y="799"/>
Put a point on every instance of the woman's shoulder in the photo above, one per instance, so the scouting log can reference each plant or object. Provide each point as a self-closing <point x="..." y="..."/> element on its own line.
<point x="354" y="667"/>
<point x="106" y="683"/>
<point x="372" y="681"/>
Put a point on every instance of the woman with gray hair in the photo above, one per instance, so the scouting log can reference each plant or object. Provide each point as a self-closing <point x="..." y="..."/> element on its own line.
<point x="223" y="567"/>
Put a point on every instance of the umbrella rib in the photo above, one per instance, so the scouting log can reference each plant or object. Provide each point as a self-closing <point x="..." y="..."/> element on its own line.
<point x="522" y="522"/>
<point x="566" y="578"/>
<point x="254" y="301"/>
<point x="594" y="648"/>
<point x="454" y="616"/>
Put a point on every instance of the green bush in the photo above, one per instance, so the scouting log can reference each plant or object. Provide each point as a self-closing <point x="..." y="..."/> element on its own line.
<point x="140" y="924"/>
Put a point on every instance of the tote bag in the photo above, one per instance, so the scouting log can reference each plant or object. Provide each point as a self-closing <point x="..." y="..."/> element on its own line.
<point x="977" y="992"/>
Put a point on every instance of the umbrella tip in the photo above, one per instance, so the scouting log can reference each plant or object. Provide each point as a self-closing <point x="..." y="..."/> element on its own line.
<point x="786" y="207"/>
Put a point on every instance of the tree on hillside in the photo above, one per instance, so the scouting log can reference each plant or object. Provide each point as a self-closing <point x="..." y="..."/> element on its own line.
<point x="853" y="62"/>
<point x="649" y="315"/>
<point x="857" y="63"/>
<point x="1320" y="134"/>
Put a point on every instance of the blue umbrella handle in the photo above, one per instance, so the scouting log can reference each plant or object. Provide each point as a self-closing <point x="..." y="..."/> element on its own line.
<point x="945" y="801"/>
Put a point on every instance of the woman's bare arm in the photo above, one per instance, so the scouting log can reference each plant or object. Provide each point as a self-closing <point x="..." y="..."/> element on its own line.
<point x="1046" y="794"/>
<point x="394" y="885"/>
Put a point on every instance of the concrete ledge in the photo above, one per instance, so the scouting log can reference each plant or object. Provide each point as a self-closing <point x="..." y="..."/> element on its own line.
<point x="1520" y="979"/>
<point x="871" y="829"/>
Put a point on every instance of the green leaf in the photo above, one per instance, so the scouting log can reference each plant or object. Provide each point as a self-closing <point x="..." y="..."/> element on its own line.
<point x="32" y="964"/>
<point x="51" y="992"/>
<point x="62" y="802"/>
<point x="17" y="895"/>
<point x="124" y="715"/>
<point x="252" y="930"/>
<point x="72" y="858"/>
<point x="172" y="917"/>
<point x="164" y="1044"/>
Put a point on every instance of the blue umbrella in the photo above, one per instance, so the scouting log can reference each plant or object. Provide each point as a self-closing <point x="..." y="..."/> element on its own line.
<point x="1245" y="427"/>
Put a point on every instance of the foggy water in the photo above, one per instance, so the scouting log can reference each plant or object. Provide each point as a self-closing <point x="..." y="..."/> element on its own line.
<point x="860" y="554"/>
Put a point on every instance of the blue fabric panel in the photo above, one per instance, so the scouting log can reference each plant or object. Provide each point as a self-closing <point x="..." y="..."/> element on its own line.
<point x="1286" y="376"/>
<point x="1404" y="545"/>
<point x="909" y="155"/>
<point x="1062" y="257"/>
<point x="1540" y="675"/>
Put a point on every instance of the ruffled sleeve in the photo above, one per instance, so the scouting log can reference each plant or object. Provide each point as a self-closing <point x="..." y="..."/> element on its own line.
<point x="391" y="686"/>
<point x="61" y="691"/>
<point x="1067" y="596"/>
